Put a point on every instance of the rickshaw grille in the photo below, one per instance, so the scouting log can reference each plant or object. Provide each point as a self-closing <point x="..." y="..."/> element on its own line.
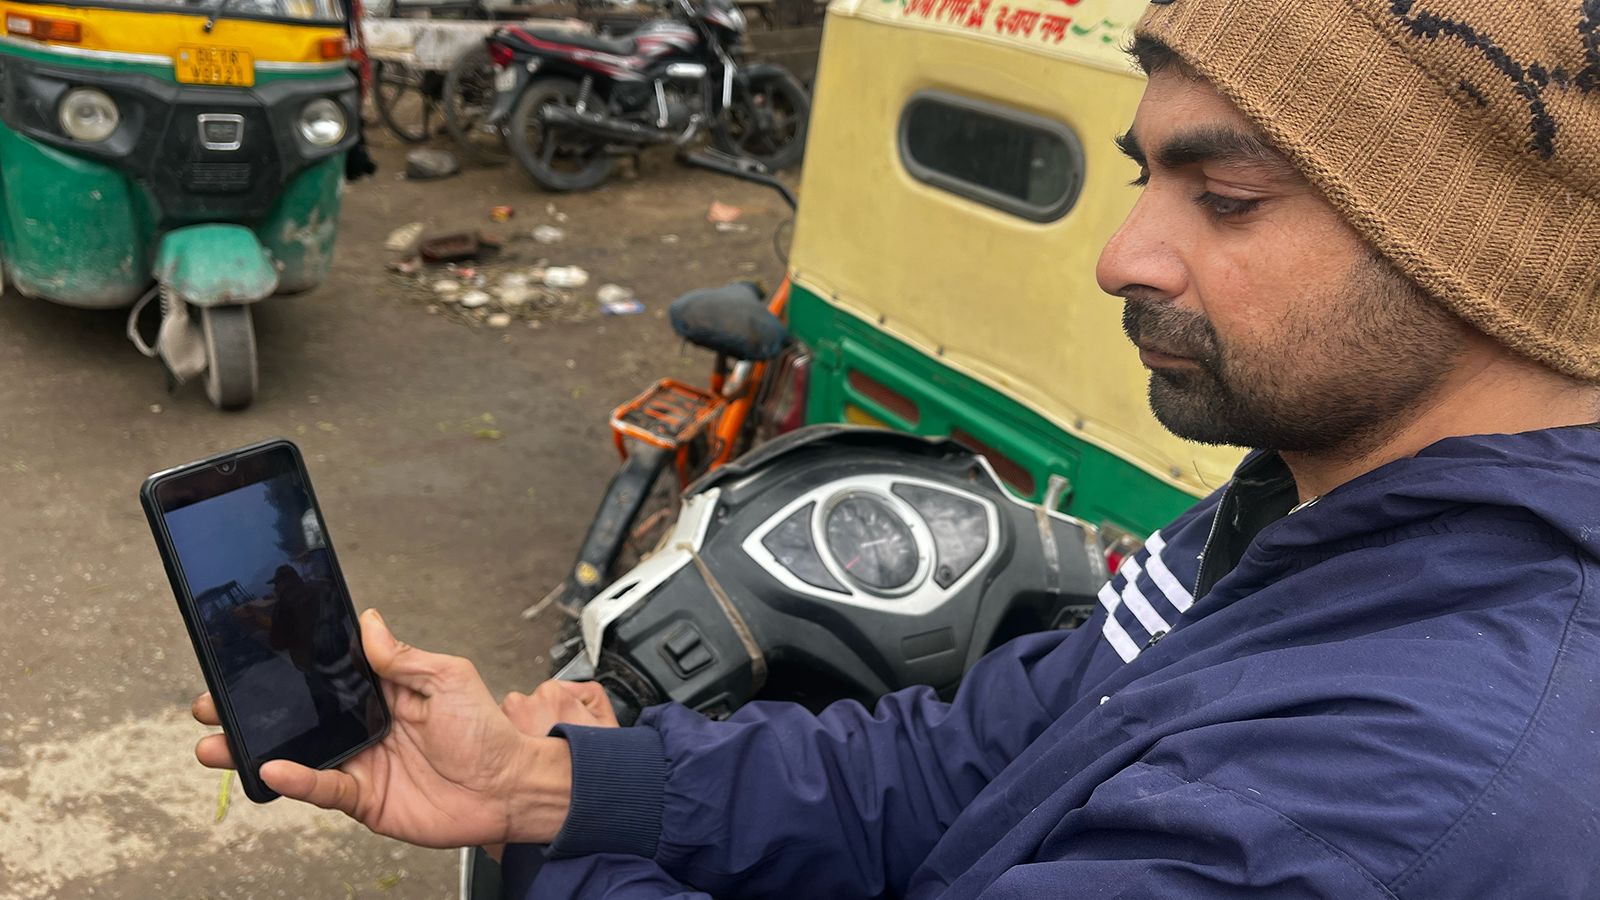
<point x="217" y="178"/>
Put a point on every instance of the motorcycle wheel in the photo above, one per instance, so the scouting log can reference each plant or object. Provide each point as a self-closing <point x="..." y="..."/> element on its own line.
<point x="468" y="97"/>
<point x="555" y="160"/>
<point x="767" y="123"/>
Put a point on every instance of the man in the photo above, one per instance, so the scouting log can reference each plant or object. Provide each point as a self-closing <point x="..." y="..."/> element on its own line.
<point x="1369" y="240"/>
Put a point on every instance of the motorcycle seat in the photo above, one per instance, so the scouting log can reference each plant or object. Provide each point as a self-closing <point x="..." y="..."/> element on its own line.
<point x="618" y="46"/>
<point x="731" y="320"/>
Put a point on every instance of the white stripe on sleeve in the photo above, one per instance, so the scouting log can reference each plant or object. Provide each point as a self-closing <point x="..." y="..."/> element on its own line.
<point x="1137" y="603"/>
<point x="1118" y="637"/>
<point x="1173" y="589"/>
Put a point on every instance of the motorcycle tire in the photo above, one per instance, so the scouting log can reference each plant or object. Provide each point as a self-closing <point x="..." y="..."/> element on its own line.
<point x="468" y="96"/>
<point x="778" y="89"/>
<point x="538" y="154"/>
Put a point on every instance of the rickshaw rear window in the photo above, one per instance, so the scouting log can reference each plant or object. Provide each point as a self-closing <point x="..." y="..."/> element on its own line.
<point x="292" y="10"/>
<point x="1005" y="158"/>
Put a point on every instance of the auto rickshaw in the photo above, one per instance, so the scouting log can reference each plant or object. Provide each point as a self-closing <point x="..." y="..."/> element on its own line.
<point x="960" y="181"/>
<point x="191" y="152"/>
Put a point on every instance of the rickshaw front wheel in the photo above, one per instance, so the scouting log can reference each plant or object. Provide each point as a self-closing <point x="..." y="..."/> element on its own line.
<point x="231" y="375"/>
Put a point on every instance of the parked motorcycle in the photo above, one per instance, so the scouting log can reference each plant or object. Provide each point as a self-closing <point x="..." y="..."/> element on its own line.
<point x="570" y="104"/>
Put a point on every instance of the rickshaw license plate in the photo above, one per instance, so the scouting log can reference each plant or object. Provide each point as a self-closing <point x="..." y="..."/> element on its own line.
<point x="215" y="65"/>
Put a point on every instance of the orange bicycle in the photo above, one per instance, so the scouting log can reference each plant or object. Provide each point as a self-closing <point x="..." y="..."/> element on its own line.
<point x="674" y="433"/>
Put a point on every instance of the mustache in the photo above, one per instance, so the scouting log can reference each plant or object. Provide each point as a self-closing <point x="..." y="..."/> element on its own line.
<point x="1167" y="329"/>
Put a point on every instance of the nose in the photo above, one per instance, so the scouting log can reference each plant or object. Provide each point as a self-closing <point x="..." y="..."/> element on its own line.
<point x="1140" y="258"/>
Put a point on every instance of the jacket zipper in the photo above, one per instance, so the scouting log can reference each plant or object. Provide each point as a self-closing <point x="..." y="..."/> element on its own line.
<point x="1216" y="519"/>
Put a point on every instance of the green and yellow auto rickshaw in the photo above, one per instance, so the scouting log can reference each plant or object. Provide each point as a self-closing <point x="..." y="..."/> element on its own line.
<point x="960" y="180"/>
<point x="188" y="152"/>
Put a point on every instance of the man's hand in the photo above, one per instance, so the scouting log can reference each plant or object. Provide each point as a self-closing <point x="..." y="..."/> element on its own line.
<point x="453" y="770"/>
<point x="559" y="702"/>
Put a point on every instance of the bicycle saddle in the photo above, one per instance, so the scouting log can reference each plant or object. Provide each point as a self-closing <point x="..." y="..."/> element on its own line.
<point x="730" y="320"/>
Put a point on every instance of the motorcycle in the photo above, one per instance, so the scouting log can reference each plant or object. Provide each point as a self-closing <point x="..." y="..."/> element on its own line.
<point x="571" y="103"/>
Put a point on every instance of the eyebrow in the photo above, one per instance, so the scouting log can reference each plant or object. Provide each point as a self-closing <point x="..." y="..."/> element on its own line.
<point x="1209" y="145"/>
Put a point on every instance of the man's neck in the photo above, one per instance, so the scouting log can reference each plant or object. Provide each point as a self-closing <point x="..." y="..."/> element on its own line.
<point x="1490" y="392"/>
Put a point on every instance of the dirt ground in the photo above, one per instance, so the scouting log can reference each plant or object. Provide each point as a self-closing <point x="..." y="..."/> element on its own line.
<point x="457" y="466"/>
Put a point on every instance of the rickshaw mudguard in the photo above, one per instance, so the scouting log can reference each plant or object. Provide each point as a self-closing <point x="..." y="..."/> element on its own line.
<point x="73" y="231"/>
<point x="303" y="225"/>
<point x="215" y="265"/>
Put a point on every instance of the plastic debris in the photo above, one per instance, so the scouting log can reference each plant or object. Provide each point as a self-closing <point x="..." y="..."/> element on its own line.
<point x="613" y="293"/>
<point x="403" y="238"/>
<point x="224" y="797"/>
<point x="732" y="227"/>
<point x="446" y="287"/>
<point x="548" y="234"/>
<point x="410" y="265"/>
<point x="721" y="212"/>
<point x="669" y="239"/>
<point x="629" y="307"/>
<point x="499" y="320"/>
<point x="428" y="164"/>
<point x="475" y="299"/>
<point x="502" y="213"/>
<point x="566" y="277"/>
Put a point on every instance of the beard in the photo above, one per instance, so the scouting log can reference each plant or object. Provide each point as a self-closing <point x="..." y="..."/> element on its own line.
<point x="1337" y="379"/>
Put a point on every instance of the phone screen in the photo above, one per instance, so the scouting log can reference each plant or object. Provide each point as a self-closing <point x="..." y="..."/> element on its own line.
<point x="272" y="608"/>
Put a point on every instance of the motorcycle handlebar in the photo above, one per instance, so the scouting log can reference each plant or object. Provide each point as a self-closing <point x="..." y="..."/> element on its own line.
<point x="742" y="169"/>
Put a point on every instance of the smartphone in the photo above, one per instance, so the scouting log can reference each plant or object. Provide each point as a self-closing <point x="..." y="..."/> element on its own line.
<point x="266" y="606"/>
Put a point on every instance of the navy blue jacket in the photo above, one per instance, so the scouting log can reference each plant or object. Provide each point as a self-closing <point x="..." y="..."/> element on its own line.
<point x="1395" y="693"/>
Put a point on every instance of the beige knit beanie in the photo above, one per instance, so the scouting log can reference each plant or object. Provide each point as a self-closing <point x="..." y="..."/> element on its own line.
<point x="1460" y="137"/>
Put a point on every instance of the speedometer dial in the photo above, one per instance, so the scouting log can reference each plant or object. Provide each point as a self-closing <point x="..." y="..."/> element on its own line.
<point x="872" y="543"/>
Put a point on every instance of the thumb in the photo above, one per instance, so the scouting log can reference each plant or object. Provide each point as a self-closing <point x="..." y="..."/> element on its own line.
<point x="396" y="661"/>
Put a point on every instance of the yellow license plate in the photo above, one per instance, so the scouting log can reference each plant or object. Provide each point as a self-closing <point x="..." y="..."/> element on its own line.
<point x="215" y="65"/>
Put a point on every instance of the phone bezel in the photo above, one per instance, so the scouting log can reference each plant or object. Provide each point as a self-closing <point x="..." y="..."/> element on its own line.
<point x="248" y="767"/>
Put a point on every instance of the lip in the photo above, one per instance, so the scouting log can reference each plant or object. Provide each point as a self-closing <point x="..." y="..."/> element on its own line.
<point x="1155" y="359"/>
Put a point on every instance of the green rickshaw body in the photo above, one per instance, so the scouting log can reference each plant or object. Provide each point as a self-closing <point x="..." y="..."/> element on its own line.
<point x="82" y="223"/>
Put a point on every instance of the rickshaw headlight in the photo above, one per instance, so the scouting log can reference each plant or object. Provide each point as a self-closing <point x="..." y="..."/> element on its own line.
<point x="89" y="115"/>
<point x="322" y="123"/>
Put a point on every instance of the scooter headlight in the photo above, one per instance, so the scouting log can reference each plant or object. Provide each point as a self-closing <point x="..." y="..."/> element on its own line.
<point x="88" y="115"/>
<point x="322" y="123"/>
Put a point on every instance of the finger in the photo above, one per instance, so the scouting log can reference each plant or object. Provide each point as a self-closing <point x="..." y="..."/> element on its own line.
<point x="205" y="710"/>
<point x="327" y="788"/>
<point x="593" y="697"/>
<point x="213" y="752"/>
<point x="406" y="665"/>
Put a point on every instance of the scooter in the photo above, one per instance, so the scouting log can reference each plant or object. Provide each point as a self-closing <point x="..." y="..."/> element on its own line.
<point x="835" y="562"/>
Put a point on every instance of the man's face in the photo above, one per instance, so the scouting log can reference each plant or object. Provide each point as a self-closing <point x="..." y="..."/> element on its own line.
<point x="1264" y="318"/>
